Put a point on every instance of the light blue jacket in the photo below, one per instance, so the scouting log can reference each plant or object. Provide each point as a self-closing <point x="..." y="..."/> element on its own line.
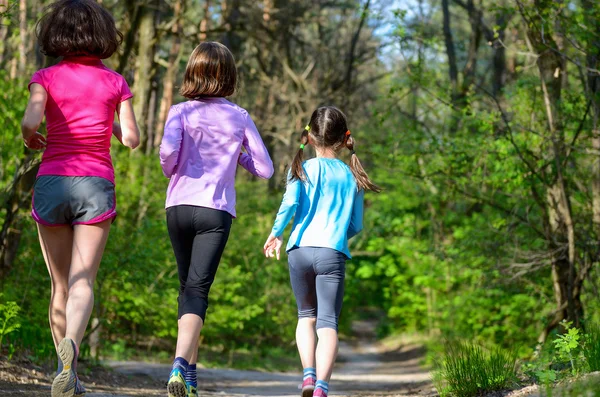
<point x="327" y="208"/>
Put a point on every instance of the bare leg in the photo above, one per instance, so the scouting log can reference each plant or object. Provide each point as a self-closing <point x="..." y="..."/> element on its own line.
<point x="306" y="341"/>
<point x="56" y="243"/>
<point x="194" y="358"/>
<point x="188" y="335"/>
<point x="327" y="350"/>
<point x="89" y="242"/>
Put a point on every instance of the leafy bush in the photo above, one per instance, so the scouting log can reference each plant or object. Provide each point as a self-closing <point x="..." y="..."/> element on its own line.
<point x="466" y="369"/>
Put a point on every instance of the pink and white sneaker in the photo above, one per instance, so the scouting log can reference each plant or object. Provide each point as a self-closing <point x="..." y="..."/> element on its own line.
<point x="308" y="386"/>
<point x="319" y="393"/>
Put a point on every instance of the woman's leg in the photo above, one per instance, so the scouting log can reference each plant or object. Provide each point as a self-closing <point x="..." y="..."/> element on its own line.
<point x="56" y="243"/>
<point x="198" y="236"/>
<point x="331" y="267"/>
<point x="89" y="242"/>
<point x="207" y="250"/>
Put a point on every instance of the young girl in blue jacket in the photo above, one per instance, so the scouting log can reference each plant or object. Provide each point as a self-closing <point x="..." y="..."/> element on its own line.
<point x="325" y="197"/>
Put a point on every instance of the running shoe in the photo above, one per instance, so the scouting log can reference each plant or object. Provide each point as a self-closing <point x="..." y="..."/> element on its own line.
<point x="79" y="389"/>
<point x="319" y="393"/>
<point x="65" y="382"/>
<point x="176" y="386"/>
<point x="192" y="391"/>
<point x="308" y="386"/>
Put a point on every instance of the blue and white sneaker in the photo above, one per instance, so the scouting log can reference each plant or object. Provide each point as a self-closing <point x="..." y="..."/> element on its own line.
<point x="66" y="381"/>
<point x="176" y="386"/>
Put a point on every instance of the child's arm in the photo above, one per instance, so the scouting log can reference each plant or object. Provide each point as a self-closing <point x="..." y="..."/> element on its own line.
<point x="171" y="143"/>
<point x="34" y="113"/>
<point x="356" y="220"/>
<point x="117" y="132"/>
<point x="256" y="159"/>
<point x="127" y="130"/>
<point x="290" y="201"/>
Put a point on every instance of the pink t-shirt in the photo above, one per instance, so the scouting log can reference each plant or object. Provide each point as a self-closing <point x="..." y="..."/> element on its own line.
<point x="83" y="95"/>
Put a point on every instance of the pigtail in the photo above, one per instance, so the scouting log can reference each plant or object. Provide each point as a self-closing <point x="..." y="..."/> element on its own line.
<point x="297" y="172"/>
<point x="362" y="179"/>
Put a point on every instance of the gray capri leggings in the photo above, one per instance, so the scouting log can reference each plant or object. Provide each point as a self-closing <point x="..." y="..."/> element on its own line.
<point x="317" y="276"/>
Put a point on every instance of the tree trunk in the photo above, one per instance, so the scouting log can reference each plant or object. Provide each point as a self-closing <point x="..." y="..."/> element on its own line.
<point x="17" y="198"/>
<point x="230" y="11"/>
<point x="452" y="68"/>
<point x="175" y="53"/>
<point x="593" y="82"/>
<point x="133" y="10"/>
<point x="22" y="36"/>
<point x="474" y="41"/>
<point x="499" y="78"/>
<point x="352" y="54"/>
<point x="205" y="22"/>
<point x="3" y="31"/>
<point x="561" y="233"/>
<point x="144" y="72"/>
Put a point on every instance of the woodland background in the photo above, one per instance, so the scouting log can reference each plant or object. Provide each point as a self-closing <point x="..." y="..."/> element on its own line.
<point x="479" y="118"/>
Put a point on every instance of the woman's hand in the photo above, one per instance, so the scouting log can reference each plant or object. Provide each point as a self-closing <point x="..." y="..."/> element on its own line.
<point x="272" y="246"/>
<point x="36" y="142"/>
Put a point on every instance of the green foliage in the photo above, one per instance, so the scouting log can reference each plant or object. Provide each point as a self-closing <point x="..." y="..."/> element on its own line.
<point x="567" y="344"/>
<point x="591" y="350"/>
<point x="466" y="369"/>
<point x="9" y="319"/>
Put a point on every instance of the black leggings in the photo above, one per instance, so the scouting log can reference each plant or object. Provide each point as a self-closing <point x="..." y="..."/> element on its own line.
<point x="198" y="236"/>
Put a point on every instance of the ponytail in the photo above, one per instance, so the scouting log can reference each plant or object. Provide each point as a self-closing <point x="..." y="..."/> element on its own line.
<point x="362" y="179"/>
<point x="297" y="172"/>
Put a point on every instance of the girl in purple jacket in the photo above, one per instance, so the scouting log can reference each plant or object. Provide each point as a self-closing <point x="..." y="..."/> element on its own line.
<point x="200" y="151"/>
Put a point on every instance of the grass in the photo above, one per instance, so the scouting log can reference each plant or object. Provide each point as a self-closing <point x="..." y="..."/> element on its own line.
<point x="466" y="370"/>
<point x="591" y="350"/>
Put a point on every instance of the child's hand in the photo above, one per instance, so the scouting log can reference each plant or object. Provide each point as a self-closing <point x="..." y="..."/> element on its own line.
<point x="272" y="246"/>
<point x="36" y="142"/>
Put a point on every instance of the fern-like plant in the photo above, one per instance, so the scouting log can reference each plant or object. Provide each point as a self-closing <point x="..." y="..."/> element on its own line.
<point x="9" y="314"/>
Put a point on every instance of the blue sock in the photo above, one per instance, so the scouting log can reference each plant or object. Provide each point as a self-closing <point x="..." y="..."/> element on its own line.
<point x="180" y="364"/>
<point x="310" y="372"/>
<point x="321" y="384"/>
<point x="191" y="377"/>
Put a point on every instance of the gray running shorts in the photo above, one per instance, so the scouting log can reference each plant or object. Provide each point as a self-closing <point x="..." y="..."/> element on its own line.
<point x="73" y="200"/>
<point x="317" y="276"/>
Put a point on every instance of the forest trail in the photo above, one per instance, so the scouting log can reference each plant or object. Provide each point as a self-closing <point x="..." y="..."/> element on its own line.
<point x="364" y="368"/>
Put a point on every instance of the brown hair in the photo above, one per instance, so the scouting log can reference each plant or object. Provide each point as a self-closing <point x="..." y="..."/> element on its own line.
<point x="328" y="128"/>
<point x="77" y="27"/>
<point x="210" y="71"/>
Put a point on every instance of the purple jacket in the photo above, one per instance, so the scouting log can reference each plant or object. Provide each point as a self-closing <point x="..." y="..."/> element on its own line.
<point x="201" y="148"/>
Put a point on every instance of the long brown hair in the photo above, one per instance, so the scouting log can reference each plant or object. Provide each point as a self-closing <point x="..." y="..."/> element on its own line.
<point x="328" y="128"/>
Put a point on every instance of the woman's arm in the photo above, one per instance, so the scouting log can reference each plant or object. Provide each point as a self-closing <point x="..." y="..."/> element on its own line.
<point x="126" y="131"/>
<point x="34" y="114"/>
<point x="171" y="142"/>
<point x="256" y="159"/>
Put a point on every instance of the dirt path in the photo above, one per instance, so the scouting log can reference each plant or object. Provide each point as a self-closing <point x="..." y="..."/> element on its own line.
<point x="363" y="369"/>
